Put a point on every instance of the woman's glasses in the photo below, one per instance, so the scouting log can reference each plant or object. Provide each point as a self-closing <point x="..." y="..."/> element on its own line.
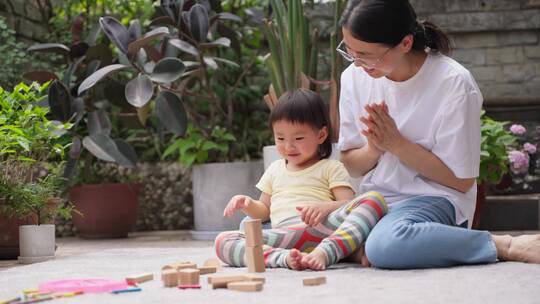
<point x="365" y="62"/>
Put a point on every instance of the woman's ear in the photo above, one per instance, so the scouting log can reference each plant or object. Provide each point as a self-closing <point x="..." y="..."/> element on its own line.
<point x="406" y="43"/>
<point x="323" y="134"/>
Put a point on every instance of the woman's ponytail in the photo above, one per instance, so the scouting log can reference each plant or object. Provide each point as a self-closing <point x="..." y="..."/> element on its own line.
<point x="428" y="35"/>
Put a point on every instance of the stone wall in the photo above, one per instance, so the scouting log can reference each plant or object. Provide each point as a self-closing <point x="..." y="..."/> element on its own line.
<point x="497" y="40"/>
<point x="29" y="18"/>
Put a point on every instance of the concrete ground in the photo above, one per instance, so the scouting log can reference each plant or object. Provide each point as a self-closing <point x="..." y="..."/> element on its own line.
<point x="146" y="252"/>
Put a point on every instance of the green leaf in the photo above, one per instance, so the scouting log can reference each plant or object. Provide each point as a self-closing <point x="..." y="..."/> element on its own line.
<point x="170" y="150"/>
<point x="186" y="146"/>
<point x="208" y="145"/>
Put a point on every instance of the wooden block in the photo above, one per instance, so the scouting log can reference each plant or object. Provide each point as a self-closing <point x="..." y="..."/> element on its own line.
<point x="207" y="269"/>
<point x="140" y="278"/>
<point x="245" y="286"/>
<point x="314" y="281"/>
<point x="179" y="266"/>
<point x="255" y="259"/>
<point x="255" y="278"/>
<point x="253" y="231"/>
<point x="222" y="281"/>
<point x="189" y="276"/>
<point x="197" y="286"/>
<point x="213" y="262"/>
<point x="169" y="277"/>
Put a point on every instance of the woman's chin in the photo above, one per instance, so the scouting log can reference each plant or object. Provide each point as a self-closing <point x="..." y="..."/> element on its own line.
<point x="374" y="73"/>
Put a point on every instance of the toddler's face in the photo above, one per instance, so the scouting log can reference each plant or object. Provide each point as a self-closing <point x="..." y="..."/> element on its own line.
<point x="298" y="143"/>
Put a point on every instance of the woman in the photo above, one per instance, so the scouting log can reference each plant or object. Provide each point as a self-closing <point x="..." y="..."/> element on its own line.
<point x="410" y="123"/>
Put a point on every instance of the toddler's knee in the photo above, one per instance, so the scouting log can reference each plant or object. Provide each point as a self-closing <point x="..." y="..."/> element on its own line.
<point x="220" y="241"/>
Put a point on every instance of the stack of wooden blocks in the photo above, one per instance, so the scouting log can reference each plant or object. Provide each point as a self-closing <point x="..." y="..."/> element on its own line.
<point x="254" y="246"/>
<point x="184" y="275"/>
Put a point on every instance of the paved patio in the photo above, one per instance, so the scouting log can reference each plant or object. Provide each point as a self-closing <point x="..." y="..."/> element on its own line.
<point x="146" y="252"/>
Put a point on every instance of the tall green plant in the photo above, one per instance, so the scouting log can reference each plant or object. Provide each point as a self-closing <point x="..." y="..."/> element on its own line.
<point x="293" y="58"/>
<point x="293" y="49"/>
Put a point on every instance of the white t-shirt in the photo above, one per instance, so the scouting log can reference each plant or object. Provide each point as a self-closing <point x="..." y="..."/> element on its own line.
<point x="438" y="108"/>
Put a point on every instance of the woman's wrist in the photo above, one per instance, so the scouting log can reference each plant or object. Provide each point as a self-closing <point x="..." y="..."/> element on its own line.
<point x="399" y="146"/>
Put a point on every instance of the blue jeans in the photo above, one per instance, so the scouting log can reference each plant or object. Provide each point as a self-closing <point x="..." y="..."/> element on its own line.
<point x="265" y="225"/>
<point x="421" y="233"/>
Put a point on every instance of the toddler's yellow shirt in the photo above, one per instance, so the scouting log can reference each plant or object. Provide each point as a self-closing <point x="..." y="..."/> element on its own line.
<point x="289" y="189"/>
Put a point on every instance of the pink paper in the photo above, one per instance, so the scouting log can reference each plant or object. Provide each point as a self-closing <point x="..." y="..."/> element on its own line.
<point x="93" y="285"/>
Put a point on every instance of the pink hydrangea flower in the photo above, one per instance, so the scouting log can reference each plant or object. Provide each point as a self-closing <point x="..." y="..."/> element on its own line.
<point x="518" y="129"/>
<point x="519" y="161"/>
<point x="530" y="148"/>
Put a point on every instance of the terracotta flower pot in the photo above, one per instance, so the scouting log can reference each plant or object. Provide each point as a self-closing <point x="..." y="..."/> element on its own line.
<point x="9" y="236"/>
<point x="480" y="203"/>
<point x="108" y="210"/>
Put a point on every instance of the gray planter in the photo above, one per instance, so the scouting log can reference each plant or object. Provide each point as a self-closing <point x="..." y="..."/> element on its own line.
<point x="213" y="186"/>
<point x="36" y="243"/>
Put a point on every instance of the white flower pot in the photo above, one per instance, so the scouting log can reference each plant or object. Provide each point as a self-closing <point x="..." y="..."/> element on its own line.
<point x="36" y="243"/>
<point x="213" y="186"/>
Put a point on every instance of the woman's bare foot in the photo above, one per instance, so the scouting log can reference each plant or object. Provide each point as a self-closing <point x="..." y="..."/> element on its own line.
<point x="294" y="259"/>
<point x="359" y="257"/>
<point x="523" y="248"/>
<point x="316" y="260"/>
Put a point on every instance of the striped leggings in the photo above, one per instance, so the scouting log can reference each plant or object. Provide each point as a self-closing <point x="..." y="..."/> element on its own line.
<point x="343" y="231"/>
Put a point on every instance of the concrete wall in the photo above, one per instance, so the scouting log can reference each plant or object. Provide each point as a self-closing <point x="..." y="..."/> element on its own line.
<point x="29" y="18"/>
<point x="497" y="40"/>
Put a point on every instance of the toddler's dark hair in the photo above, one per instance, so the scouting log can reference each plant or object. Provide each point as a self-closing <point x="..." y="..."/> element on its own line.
<point x="304" y="107"/>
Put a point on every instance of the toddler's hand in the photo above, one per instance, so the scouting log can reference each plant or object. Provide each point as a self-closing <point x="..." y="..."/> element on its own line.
<point x="314" y="214"/>
<point x="238" y="202"/>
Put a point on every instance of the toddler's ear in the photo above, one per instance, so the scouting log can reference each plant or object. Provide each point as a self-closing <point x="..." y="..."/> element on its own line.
<point x="323" y="134"/>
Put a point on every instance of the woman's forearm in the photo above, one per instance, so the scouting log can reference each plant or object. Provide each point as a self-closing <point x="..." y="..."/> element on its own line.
<point x="360" y="161"/>
<point x="257" y="210"/>
<point x="429" y="165"/>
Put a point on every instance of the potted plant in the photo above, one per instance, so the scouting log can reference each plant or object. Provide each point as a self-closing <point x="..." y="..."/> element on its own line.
<point x="107" y="209"/>
<point x="172" y="73"/>
<point x="30" y="173"/>
<point x="494" y="163"/>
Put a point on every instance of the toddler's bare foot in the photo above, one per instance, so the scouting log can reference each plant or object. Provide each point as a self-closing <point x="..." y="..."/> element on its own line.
<point x="316" y="260"/>
<point x="359" y="257"/>
<point x="294" y="259"/>
<point x="523" y="248"/>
